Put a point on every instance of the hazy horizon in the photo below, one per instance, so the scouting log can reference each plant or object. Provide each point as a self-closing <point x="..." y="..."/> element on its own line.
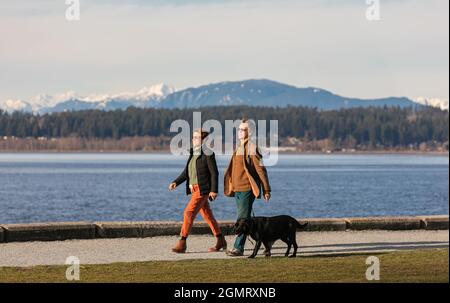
<point x="122" y="46"/>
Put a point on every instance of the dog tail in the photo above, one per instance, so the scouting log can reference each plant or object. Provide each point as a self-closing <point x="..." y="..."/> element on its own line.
<point x="301" y="226"/>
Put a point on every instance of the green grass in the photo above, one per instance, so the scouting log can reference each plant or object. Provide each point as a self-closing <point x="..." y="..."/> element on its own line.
<point x="429" y="265"/>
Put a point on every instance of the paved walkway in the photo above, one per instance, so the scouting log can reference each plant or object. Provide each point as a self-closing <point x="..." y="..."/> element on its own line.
<point x="159" y="248"/>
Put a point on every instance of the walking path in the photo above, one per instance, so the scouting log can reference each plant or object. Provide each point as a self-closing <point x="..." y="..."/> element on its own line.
<point x="101" y="251"/>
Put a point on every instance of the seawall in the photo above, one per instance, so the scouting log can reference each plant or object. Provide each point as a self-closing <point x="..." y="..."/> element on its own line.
<point x="58" y="231"/>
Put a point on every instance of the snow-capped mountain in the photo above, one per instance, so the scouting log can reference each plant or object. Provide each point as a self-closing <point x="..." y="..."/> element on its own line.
<point x="71" y="101"/>
<point x="269" y="93"/>
<point x="249" y="92"/>
<point x="15" y="105"/>
<point x="434" y="102"/>
<point x="48" y="101"/>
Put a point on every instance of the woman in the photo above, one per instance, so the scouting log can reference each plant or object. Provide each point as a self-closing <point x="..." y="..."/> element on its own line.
<point x="245" y="178"/>
<point x="201" y="177"/>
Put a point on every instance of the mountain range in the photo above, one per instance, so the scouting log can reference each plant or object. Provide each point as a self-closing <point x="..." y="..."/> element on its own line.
<point x="248" y="92"/>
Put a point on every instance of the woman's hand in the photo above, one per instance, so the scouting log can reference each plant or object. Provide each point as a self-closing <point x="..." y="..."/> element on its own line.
<point x="212" y="196"/>
<point x="172" y="186"/>
<point x="267" y="197"/>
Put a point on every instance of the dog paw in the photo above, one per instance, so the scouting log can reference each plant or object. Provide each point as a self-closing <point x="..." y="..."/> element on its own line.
<point x="251" y="257"/>
<point x="292" y="256"/>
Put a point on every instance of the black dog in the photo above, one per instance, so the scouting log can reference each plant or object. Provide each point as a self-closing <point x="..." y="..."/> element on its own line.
<point x="267" y="230"/>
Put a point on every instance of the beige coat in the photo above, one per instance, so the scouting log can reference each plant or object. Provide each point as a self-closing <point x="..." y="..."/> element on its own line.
<point x="256" y="172"/>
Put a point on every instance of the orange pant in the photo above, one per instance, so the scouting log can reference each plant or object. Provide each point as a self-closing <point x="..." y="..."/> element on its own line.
<point x="198" y="203"/>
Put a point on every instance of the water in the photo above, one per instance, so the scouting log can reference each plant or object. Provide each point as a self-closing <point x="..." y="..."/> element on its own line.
<point x="38" y="187"/>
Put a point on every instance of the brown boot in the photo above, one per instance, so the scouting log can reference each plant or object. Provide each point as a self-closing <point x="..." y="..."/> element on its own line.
<point x="221" y="244"/>
<point x="181" y="247"/>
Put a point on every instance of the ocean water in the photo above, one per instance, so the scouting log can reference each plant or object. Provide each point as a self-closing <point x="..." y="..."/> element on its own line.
<point x="41" y="187"/>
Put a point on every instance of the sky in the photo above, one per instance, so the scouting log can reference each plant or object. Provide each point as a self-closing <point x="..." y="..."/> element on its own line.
<point x="126" y="45"/>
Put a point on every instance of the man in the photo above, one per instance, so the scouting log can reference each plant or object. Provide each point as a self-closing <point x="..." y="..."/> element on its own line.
<point x="201" y="177"/>
<point x="243" y="180"/>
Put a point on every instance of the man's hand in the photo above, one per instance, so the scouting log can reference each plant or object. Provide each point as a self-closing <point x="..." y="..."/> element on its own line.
<point x="267" y="197"/>
<point x="212" y="196"/>
<point x="172" y="186"/>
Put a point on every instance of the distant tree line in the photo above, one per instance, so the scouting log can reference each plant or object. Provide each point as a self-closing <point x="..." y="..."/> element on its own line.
<point x="374" y="126"/>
